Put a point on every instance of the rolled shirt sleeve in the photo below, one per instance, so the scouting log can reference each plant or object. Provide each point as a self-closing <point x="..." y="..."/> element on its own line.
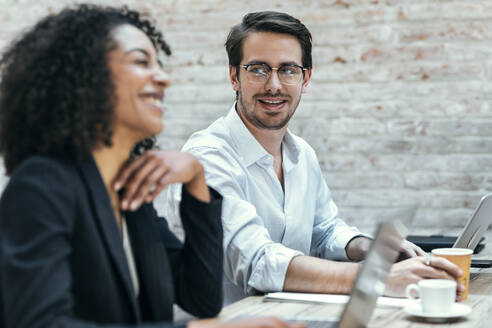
<point x="254" y="261"/>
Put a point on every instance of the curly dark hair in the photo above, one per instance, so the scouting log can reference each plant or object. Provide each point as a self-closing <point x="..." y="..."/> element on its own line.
<point x="56" y="90"/>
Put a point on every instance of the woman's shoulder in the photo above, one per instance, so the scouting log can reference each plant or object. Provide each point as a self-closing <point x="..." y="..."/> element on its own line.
<point x="40" y="187"/>
<point x="43" y="165"/>
<point x="43" y="172"/>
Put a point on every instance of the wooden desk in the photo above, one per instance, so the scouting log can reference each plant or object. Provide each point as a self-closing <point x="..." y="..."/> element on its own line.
<point x="479" y="298"/>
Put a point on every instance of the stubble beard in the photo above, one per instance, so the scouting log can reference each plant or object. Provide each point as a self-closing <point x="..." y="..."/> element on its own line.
<point x="263" y="124"/>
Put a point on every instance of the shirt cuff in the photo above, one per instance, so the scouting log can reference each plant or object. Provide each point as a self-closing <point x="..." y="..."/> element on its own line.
<point x="338" y="251"/>
<point x="209" y="213"/>
<point x="187" y="197"/>
<point x="269" y="272"/>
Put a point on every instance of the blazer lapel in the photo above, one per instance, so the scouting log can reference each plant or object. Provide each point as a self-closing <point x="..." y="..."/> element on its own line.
<point x="106" y="221"/>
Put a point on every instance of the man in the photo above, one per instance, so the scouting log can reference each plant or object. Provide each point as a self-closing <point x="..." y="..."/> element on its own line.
<point x="281" y="226"/>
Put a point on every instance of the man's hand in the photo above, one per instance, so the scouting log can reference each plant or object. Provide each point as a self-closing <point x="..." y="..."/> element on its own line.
<point x="413" y="270"/>
<point x="409" y="250"/>
<point x="145" y="177"/>
<point x="267" y="322"/>
<point x="358" y="247"/>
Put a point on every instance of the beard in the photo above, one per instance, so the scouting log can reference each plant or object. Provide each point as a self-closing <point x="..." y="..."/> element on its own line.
<point x="265" y="123"/>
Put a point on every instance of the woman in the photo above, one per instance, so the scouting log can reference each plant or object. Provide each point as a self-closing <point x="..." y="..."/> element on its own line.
<point x="81" y="92"/>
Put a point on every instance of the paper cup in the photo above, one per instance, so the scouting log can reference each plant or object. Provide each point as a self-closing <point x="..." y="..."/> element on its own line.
<point x="462" y="258"/>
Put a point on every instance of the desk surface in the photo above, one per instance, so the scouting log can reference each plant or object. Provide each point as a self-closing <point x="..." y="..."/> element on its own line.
<point x="479" y="298"/>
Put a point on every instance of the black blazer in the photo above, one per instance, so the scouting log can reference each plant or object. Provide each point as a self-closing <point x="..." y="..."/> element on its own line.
<point x="62" y="262"/>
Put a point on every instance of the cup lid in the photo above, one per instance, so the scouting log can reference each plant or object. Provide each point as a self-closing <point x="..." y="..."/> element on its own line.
<point x="452" y="251"/>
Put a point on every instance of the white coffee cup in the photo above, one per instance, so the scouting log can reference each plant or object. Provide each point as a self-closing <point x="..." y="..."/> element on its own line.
<point x="436" y="295"/>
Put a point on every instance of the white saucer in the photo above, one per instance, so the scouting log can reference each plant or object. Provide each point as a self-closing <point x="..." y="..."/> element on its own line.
<point x="458" y="310"/>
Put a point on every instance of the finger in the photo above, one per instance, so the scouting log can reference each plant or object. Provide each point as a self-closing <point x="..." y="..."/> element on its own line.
<point x="419" y="251"/>
<point x="136" y="180"/>
<point x="408" y="250"/>
<point x="169" y="178"/>
<point x="127" y="170"/>
<point x="444" y="264"/>
<point x="432" y="272"/>
<point x="423" y="270"/>
<point x="157" y="190"/>
<point x="147" y="186"/>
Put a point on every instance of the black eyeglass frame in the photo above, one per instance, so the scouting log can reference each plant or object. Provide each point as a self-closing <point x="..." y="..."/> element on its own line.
<point x="245" y="66"/>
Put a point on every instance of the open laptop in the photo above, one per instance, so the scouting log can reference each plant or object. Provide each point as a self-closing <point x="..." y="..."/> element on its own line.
<point x="470" y="237"/>
<point x="371" y="280"/>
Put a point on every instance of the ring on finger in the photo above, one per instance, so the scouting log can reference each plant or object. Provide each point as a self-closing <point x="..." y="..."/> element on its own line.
<point x="427" y="260"/>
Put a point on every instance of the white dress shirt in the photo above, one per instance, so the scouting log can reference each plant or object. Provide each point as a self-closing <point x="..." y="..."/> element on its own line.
<point x="265" y="227"/>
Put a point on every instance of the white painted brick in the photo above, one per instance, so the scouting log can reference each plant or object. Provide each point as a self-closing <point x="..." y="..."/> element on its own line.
<point x="472" y="10"/>
<point x="444" y="31"/>
<point x="379" y="33"/>
<point x="200" y="74"/>
<point x="358" y="180"/>
<point x="439" y="180"/>
<point x="407" y="162"/>
<point x="199" y="93"/>
<point x="435" y="71"/>
<point x="205" y="56"/>
<point x="452" y="127"/>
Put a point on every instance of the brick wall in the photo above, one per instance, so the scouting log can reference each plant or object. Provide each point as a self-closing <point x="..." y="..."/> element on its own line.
<point x="399" y="105"/>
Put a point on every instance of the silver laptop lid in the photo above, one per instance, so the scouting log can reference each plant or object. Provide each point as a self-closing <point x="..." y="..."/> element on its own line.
<point x="371" y="281"/>
<point x="476" y="225"/>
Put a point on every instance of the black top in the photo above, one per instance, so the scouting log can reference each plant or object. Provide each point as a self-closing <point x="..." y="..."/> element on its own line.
<point x="62" y="259"/>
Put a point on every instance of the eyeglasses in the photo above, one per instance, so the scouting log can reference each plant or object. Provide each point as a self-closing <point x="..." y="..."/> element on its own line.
<point x="287" y="74"/>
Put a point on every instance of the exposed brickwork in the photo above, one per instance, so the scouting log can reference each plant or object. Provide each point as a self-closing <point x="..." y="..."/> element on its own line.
<point x="399" y="105"/>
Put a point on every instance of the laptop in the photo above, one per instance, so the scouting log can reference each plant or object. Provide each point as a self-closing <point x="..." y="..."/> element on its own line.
<point x="370" y="282"/>
<point x="471" y="236"/>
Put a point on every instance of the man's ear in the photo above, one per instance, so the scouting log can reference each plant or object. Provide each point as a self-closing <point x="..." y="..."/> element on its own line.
<point x="233" y="78"/>
<point x="305" y="80"/>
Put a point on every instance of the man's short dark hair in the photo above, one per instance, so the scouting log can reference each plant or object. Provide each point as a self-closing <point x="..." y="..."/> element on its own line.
<point x="268" y="21"/>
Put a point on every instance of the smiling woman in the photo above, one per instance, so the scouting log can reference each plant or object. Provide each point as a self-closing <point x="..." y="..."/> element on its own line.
<point x="80" y="92"/>
<point x="139" y="84"/>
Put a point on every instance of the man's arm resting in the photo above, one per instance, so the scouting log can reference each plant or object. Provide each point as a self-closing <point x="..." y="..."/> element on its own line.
<point x="314" y="275"/>
<point x="358" y="247"/>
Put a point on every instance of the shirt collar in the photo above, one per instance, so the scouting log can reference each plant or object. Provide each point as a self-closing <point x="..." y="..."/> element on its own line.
<point x="290" y="150"/>
<point x="249" y="148"/>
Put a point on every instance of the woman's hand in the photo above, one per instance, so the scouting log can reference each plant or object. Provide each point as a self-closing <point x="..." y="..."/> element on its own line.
<point x="267" y="322"/>
<point x="145" y="177"/>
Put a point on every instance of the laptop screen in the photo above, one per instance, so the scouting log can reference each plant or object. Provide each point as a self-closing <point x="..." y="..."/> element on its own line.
<point x="476" y="225"/>
<point x="371" y="281"/>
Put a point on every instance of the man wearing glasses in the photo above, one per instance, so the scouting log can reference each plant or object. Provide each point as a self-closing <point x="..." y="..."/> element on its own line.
<point x="280" y="223"/>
